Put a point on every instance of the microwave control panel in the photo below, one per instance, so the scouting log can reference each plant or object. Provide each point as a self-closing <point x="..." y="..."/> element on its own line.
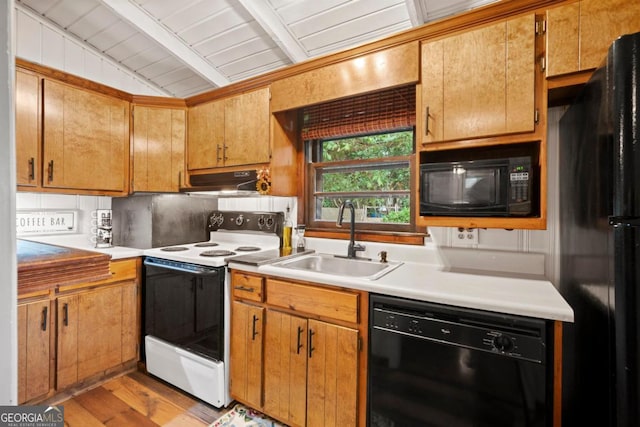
<point x="519" y="183"/>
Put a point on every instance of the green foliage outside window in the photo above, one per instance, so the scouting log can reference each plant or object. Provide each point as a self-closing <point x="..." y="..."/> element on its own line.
<point x="376" y="174"/>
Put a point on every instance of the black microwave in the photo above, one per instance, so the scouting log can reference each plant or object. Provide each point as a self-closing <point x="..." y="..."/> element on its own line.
<point x="489" y="187"/>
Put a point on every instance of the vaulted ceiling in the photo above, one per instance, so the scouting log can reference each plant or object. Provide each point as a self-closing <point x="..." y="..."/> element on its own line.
<point x="192" y="46"/>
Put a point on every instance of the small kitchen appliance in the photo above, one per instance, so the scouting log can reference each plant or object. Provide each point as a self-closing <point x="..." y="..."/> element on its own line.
<point x="186" y="302"/>
<point x="486" y="187"/>
<point x="102" y="228"/>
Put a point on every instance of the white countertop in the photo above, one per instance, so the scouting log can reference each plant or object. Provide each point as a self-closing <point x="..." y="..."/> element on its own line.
<point x="83" y="241"/>
<point x="431" y="282"/>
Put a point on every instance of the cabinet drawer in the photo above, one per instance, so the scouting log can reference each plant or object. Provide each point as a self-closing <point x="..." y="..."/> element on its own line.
<point x="247" y="286"/>
<point x="327" y="303"/>
<point x="122" y="270"/>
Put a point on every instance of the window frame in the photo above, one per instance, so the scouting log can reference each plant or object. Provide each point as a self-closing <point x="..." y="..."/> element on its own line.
<point x="413" y="234"/>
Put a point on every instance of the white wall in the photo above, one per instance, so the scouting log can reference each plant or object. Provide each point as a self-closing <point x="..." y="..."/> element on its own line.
<point x="41" y="42"/>
<point x="8" y="267"/>
<point x="83" y="204"/>
<point x="526" y="241"/>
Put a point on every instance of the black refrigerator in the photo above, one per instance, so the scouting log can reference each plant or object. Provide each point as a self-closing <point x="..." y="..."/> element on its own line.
<point x="600" y="243"/>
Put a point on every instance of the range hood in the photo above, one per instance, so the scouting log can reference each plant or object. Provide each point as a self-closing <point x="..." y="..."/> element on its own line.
<point x="237" y="183"/>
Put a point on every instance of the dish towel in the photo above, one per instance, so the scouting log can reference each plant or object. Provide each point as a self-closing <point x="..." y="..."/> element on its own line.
<point x="241" y="416"/>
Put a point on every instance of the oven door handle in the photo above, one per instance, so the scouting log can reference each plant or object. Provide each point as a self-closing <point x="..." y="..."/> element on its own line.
<point x="198" y="270"/>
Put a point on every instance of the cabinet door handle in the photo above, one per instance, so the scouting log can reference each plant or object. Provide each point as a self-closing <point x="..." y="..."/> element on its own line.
<point x="65" y="314"/>
<point x="218" y="158"/>
<point x="43" y="325"/>
<point x="426" y="122"/>
<point x="311" y="334"/>
<point x="32" y="168"/>
<point x="224" y="152"/>
<point x="243" y="288"/>
<point x="254" y="333"/>
<point x="300" y="330"/>
<point x="50" y="171"/>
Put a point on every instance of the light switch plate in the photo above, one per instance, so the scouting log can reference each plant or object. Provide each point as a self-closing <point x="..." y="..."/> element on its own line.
<point x="464" y="236"/>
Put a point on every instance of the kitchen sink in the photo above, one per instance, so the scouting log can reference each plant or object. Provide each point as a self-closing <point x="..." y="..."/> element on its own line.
<point x="338" y="266"/>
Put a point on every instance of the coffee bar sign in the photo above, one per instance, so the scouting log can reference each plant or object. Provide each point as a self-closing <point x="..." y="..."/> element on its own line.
<point x="46" y="222"/>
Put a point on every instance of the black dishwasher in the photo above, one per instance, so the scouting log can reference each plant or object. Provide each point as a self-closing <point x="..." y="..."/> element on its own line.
<point x="438" y="365"/>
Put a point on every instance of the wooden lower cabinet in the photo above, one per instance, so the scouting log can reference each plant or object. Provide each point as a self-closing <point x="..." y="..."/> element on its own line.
<point x="332" y="375"/>
<point x="96" y="332"/>
<point x="246" y="348"/>
<point x="285" y="373"/>
<point x="34" y="334"/>
<point x="71" y="336"/>
<point x="292" y="366"/>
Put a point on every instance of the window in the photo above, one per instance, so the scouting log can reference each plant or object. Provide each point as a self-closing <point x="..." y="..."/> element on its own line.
<point x="373" y="171"/>
<point x="361" y="149"/>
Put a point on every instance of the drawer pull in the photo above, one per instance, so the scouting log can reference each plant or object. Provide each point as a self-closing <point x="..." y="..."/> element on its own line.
<point x="254" y="333"/>
<point x="32" y="168"/>
<point x="65" y="314"/>
<point x="243" y="288"/>
<point x="43" y="325"/>
<point x="50" y="171"/>
<point x="426" y="122"/>
<point x="300" y="330"/>
<point x="311" y="334"/>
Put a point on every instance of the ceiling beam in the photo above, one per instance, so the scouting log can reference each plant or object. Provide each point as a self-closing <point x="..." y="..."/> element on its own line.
<point x="276" y="29"/>
<point x="141" y="20"/>
<point x="414" y="7"/>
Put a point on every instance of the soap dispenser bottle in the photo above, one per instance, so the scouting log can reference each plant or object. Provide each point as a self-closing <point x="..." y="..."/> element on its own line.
<point x="286" y="231"/>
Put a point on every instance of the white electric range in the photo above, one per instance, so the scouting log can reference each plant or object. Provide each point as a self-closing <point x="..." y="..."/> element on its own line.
<point x="187" y="299"/>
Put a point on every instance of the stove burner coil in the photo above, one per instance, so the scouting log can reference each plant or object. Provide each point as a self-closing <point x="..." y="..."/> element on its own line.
<point x="215" y="253"/>
<point x="205" y="244"/>
<point x="247" y="248"/>
<point x="175" y="249"/>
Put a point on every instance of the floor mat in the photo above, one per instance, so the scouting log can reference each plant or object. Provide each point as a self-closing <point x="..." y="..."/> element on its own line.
<point x="241" y="416"/>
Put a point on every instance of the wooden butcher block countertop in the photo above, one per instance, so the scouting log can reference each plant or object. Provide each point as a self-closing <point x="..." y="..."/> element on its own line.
<point x="44" y="266"/>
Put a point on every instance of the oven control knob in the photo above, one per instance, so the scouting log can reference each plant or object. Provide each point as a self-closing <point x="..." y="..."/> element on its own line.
<point x="503" y="343"/>
<point x="261" y="222"/>
<point x="239" y="220"/>
<point x="270" y="222"/>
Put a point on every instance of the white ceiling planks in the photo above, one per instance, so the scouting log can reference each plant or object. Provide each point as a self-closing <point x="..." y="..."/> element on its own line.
<point x="192" y="46"/>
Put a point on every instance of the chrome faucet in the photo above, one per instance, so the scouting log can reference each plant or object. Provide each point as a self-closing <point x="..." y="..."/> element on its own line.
<point x="353" y="247"/>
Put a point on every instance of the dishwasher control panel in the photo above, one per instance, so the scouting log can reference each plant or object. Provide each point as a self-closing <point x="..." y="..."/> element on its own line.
<point x="469" y="329"/>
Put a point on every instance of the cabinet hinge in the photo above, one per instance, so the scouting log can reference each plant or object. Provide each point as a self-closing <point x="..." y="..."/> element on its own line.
<point x="536" y="116"/>
<point x="541" y="27"/>
<point x="543" y="63"/>
<point x="360" y="345"/>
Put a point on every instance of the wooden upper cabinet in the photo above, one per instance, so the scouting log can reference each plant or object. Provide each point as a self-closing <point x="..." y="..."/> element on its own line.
<point x="205" y="135"/>
<point x="86" y="139"/>
<point x="158" y="148"/>
<point x="27" y="129"/>
<point x="229" y="132"/>
<point x="395" y="66"/>
<point x="479" y="83"/>
<point x="246" y="128"/>
<point x="579" y="33"/>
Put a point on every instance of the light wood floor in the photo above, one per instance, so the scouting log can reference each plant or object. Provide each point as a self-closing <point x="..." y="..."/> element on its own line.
<point x="136" y="399"/>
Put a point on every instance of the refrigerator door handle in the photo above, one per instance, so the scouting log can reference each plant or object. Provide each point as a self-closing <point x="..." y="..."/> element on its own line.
<point x="624" y="221"/>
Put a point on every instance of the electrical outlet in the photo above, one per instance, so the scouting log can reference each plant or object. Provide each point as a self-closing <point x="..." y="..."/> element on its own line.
<point x="464" y="236"/>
